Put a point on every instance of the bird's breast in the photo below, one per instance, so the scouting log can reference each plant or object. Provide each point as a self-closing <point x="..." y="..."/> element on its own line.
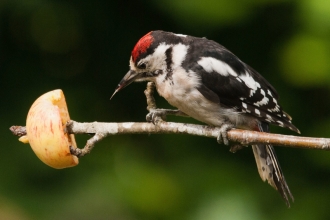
<point x="181" y="92"/>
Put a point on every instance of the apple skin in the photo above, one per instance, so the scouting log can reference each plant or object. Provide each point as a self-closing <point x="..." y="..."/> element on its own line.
<point x="45" y="126"/>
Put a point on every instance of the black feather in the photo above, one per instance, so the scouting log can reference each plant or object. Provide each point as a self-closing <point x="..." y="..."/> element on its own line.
<point x="275" y="177"/>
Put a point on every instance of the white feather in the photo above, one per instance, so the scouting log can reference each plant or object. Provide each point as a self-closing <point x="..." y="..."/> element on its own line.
<point x="211" y="64"/>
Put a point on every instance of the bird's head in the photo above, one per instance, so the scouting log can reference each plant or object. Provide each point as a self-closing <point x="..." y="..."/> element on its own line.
<point x="151" y="57"/>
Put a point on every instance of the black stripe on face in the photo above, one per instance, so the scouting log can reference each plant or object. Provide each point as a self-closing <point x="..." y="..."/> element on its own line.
<point x="169" y="62"/>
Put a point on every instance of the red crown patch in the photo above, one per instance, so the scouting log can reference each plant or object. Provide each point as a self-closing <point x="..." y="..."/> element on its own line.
<point x="142" y="46"/>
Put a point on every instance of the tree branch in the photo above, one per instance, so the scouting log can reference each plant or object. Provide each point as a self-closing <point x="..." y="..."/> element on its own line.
<point x="243" y="137"/>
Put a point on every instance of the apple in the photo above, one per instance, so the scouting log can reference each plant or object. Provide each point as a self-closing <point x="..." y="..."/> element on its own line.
<point x="45" y="128"/>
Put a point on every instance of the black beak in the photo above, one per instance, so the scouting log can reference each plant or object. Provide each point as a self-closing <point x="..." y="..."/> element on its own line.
<point x="130" y="77"/>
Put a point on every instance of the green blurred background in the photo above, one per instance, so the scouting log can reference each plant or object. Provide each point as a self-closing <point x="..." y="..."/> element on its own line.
<point x="83" y="47"/>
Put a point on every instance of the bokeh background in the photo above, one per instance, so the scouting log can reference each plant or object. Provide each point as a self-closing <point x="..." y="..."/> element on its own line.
<point x="83" y="47"/>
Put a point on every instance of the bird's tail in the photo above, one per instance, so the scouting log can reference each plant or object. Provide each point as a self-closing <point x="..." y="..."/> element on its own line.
<point x="269" y="167"/>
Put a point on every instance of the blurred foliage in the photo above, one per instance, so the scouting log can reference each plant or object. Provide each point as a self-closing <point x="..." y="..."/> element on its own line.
<point x="83" y="47"/>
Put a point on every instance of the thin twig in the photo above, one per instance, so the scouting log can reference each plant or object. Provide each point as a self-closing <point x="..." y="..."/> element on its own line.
<point x="89" y="145"/>
<point x="18" y="130"/>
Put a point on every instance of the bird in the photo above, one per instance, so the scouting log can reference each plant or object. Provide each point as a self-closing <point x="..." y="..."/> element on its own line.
<point x="207" y="82"/>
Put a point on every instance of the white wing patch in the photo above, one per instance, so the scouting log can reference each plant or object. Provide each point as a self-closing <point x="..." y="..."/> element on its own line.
<point x="274" y="100"/>
<point x="269" y="93"/>
<point x="250" y="82"/>
<point x="211" y="64"/>
<point x="264" y="101"/>
<point x="276" y="109"/>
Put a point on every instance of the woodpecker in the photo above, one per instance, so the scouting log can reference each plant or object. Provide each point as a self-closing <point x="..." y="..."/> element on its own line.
<point x="207" y="82"/>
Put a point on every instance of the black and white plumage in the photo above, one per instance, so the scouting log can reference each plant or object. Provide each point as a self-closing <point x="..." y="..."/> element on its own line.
<point x="209" y="83"/>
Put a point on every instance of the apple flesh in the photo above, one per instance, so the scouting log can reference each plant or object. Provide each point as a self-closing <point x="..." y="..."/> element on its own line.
<point x="45" y="128"/>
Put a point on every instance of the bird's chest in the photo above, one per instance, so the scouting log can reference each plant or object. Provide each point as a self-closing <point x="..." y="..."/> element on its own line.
<point x="181" y="92"/>
<point x="179" y="88"/>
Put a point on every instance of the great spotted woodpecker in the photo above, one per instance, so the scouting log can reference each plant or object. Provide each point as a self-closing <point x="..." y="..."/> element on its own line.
<point x="207" y="82"/>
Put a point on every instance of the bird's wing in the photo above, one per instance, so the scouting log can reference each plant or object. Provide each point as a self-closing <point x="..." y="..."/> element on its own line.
<point x="226" y="79"/>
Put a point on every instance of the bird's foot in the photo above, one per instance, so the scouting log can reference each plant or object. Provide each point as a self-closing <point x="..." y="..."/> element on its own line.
<point x="157" y="115"/>
<point x="223" y="137"/>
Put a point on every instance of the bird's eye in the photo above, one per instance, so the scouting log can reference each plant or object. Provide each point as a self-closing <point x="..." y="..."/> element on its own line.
<point x="142" y="66"/>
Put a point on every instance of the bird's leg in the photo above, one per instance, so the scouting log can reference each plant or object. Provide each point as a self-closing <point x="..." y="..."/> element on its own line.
<point x="155" y="115"/>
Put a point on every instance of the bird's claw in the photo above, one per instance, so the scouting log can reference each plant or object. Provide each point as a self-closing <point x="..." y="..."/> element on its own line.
<point x="223" y="137"/>
<point x="236" y="147"/>
<point x="156" y="115"/>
